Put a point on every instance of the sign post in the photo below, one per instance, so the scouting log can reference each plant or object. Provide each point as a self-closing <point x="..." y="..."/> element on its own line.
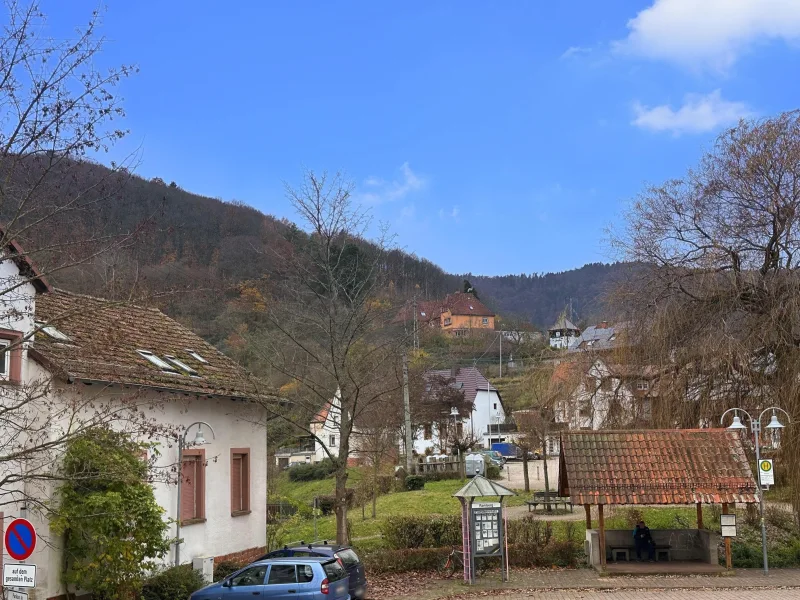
<point x="20" y="542"/>
<point x="766" y="472"/>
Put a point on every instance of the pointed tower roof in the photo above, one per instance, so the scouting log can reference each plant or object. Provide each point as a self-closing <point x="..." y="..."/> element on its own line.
<point x="563" y="322"/>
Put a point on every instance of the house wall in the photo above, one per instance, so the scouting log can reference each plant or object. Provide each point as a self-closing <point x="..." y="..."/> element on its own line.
<point x="465" y="321"/>
<point x="590" y="404"/>
<point x="221" y="533"/>
<point x="18" y="304"/>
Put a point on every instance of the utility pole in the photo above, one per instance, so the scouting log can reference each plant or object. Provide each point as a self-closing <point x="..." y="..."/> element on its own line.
<point x="414" y="307"/>
<point x="407" y="411"/>
<point x="501" y="354"/>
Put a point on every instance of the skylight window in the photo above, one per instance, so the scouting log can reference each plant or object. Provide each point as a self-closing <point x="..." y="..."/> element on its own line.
<point x="157" y="361"/>
<point x="52" y="332"/>
<point x="470" y="307"/>
<point x="423" y="313"/>
<point x="196" y="356"/>
<point x="182" y="365"/>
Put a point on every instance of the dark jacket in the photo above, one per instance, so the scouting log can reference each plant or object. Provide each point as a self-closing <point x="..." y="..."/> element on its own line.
<point x="642" y="534"/>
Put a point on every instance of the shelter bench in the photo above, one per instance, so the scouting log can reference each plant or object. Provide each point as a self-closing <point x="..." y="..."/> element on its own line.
<point x="628" y="550"/>
<point x="539" y="498"/>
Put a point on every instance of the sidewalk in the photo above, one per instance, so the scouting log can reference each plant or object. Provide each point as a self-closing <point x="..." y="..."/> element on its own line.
<point x="529" y="581"/>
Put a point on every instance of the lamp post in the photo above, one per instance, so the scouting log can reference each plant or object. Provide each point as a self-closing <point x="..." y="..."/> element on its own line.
<point x="755" y="428"/>
<point x="456" y="440"/>
<point x="199" y="440"/>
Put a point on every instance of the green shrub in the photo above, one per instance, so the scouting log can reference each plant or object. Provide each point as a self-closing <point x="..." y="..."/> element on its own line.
<point x="403" y="532"/>
<point x="414" y="482"/>
<point x="780" y="519"/>
<point x="226" y="568"/>
<point x="555" y="553"/>
<point x="327" y="504"/>
<point x="312" y="471"/>
<point x="530" y="530"/>
<point x="401" y="561"/>
<point x="175" y="583"/>
<point x="441" y="476"/>
<point x="492" y="471"/>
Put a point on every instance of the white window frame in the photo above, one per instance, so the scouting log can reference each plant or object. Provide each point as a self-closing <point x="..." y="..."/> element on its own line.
<point x="158" y="361"/>
<point x="642" y="386"/>
<point x="196" y="356"/>
<point x="181" y="365"/>
<point x="332" y="441"/>
<point x="6" y="374"/>
<point x="485" y="321"/>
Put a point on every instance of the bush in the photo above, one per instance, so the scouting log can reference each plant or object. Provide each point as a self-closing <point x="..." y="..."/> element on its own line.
<point x="384" y="484"/>
<point x="401" y="561"/>
<point x="422" y="532"/>
<point x="441" y="476"/>
<point x="226" y="568"/>
<point x="327" y="504"/>
<point x="175" y="583"/>
<point x="492" y="471"/>
<point x="554" y="553"/>
<point x="530" y="531"/>
<point x="414" y="482"/>
<point x="312" y="471"/>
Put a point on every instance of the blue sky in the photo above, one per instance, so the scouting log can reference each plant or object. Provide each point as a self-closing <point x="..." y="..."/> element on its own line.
<point x="492" y="137"/>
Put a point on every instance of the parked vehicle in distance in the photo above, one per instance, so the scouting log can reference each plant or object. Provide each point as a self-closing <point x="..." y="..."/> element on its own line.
<point x="494" y="456"/>
<point x="311" y="578"/>
<point x="345" y="555"/>
<point x="508" y="450"/>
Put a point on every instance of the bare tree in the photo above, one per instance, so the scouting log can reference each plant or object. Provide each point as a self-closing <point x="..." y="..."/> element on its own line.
<point x="717" y="304"/>
<point x="329" y="316"/>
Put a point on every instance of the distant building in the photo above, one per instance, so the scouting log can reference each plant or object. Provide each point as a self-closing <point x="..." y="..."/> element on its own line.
<point x="599" y="337"/>
<point x="563" y="333"/>
<point x="457" y="314"/>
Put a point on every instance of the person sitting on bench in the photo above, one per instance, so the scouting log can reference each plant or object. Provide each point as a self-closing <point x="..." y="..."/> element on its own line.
<point x="643" y="540"/>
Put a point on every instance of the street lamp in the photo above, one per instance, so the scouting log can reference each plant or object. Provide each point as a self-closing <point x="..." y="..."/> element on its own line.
<point x="755" y="427"/>
<point x="199" y="440"/>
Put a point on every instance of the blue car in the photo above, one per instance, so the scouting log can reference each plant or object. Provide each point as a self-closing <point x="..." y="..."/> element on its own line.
<point x="293" y="578"/>
<point x="343" y="554"/>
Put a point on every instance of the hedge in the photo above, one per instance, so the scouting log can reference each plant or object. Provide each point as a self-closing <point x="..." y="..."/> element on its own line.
<point x="400" y="561"/>
<point x="404" y="532"/>
<point x="175" y="583"/>
<point x="311" y="471"/>
<point x="415" y="482"/>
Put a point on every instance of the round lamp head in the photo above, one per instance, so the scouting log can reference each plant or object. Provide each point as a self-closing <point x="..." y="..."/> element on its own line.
<point x="737" y="423"/>
<point x="774" y="423"/>
<point x="199" y="438"/>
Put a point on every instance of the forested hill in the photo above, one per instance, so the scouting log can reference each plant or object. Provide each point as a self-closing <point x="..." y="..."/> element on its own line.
<point x="542" y="297"/>
<point x="195" y="242"/>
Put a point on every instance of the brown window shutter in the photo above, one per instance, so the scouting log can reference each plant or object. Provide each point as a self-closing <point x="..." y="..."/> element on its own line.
<point x="236" y="482"/>
<point x="189" y="488"/>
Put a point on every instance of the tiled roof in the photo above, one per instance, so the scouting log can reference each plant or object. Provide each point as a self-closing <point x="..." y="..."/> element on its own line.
<point x="670" y="466"/>
<point x="470" y="379"/>
<point x="599" y="337"/>
<point x="465" y="304"/>
<point x="427" y="311"/>
<point x="105" y="337"/>
<point x="563" y="323"/>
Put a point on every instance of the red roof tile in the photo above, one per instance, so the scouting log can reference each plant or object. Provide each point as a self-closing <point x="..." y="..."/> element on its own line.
<point x="671" y="466"/>
<point x="465" y="304"/>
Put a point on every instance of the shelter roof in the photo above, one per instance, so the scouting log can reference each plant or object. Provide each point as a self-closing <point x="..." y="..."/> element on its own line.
<point x="668" y="466"/>
<point x="479" y="486"/>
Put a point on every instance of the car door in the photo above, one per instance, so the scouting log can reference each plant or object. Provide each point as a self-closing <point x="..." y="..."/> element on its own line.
<point x="282" y="582"/>
<point x="247" y="584"/>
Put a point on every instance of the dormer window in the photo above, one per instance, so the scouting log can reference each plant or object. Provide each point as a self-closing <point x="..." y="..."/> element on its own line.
<point x="196" y="356"/>
<point x="157" y="361"/>
<point x="470" y="307"/>
<point x="423" y="313"/>
<point x="52" y="332"/>
<point x="181" y="365"/>
<point x="5" y="359"/>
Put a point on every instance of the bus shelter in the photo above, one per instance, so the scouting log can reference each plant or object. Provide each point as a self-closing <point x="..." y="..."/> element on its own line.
<point x="678" y="467"/>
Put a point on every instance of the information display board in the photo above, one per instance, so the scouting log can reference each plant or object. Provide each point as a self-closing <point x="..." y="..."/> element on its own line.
<point x="487" y="526"/>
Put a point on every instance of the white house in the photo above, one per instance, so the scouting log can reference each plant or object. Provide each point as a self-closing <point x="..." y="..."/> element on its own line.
<point x="485" y="423"/>
<point x="563" y="333"/>
<point x="326" y="426"/>
<point x="76" y="361"/>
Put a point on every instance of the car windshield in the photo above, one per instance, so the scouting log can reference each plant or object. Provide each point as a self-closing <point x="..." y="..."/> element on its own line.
<point x="349" y="558"/>
<point x="334" y="571"/>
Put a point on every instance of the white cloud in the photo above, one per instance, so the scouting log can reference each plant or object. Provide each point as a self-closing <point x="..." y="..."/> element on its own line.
<point x="575" y="51"/>
<point x="453" y="213"/>
<point x="698" y="114"/>
<point x="709" y="33"/>
<point x="389" y="191"/>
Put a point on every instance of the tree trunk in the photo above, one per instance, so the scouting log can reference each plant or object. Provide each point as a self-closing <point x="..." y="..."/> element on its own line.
<point x="525" y="470"/>
<point x="547" y="506"/>
<point x="375" y="487"/>
<point x="341" y="501"/>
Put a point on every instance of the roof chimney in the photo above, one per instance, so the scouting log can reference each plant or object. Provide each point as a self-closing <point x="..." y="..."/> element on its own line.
<point x="453" y="371"/>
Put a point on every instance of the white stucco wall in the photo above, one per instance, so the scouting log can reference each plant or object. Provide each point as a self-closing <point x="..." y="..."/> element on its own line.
<point x="221" y="533"/>
<point x="18" y="304"/>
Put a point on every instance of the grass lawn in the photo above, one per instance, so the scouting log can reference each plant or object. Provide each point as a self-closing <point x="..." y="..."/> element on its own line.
<point x="435" y="499"/>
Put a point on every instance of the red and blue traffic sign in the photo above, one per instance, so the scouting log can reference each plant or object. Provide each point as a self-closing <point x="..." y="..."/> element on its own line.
<point x="20" y="539"/>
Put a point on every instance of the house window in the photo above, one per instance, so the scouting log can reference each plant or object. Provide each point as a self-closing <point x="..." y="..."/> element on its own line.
<point x="196" y="356"/>
<point x="10" y="355"/>
<point x="240" y="481"/>
<point x="157" y="361"/>
<point x="182" y="365"/>
<point x="428" y="431"/>
<point x="193" y="486"/>
<point x="643" y="385"/>
<point x="485" y="320"/>
<point x="605" y="385"/>
<point x="495" y="405"/>
<point x="447" y="321"/>
<point x="331" y="441"/>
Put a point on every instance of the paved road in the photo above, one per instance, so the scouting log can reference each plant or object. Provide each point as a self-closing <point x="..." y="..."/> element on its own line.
<point x="633" y="594"/>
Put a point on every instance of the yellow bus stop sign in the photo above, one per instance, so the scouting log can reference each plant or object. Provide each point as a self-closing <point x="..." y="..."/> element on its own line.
<point x="766" y="472"/>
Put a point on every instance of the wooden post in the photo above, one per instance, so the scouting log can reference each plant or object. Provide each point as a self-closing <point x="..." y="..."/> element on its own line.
<point x="602" y="523"/>
<point x="588" y="509"/>
<point x="728" y="556"/>
<point x="700" y="516"/>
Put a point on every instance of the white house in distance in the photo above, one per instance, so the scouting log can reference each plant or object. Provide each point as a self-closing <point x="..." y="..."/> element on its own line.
<point x="327" y="429"/>
<point x="79" y="357"/>
<point x="488" y="410"/>
<point x="563" y="333"/>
